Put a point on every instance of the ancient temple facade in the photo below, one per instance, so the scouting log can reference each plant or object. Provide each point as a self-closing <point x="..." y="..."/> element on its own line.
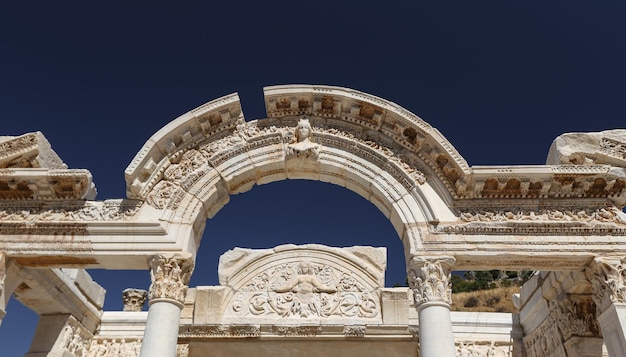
<point x="564" y="220"/>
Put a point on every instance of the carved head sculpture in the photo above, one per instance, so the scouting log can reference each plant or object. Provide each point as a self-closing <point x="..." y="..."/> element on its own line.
<point x="303" y="130"/>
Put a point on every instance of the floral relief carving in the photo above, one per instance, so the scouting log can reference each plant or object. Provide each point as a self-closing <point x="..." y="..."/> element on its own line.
<point x="113" y="210"/>
<point x="170" y="277"/>
<point x="164" y="195"/>
<point x="304" y="290"/>
<point x="614" y="148"/>
<point x="429" y="278"/>
<point x="569" y="214"/>
<point x="190" y="161"/>
<point x="576" y="317"/>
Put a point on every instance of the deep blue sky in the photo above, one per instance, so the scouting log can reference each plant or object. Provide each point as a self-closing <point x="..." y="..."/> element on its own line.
<point x="499" y="79"/>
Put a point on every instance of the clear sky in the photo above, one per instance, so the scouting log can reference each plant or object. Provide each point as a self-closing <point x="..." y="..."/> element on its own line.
<point x="499" y="79"/>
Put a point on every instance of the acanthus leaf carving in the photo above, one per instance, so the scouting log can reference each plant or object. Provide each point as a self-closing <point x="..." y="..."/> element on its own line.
<point x="170" y="276"/>
<point x="608" y="281"/>
<point x="134" y="299"/>
<point x="429" y="278"/>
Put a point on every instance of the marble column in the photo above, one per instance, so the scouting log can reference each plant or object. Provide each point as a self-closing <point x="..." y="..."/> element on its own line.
<point x="429" y="278"/>
<point x="170" y="276"/>
<point x="607" y="276"/>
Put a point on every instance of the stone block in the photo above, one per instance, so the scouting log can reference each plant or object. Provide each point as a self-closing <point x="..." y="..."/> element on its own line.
<point x="395" y="305"/>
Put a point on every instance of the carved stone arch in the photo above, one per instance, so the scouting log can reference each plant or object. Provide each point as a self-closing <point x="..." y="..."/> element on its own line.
<point x="368" y="145"/>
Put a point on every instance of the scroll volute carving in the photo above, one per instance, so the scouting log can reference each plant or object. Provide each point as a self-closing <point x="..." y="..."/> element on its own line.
<point x="170" y="276"/>
<point x="429" y="278"/>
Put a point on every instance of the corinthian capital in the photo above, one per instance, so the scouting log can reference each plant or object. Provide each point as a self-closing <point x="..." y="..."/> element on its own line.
<point x="170" y="276"/>
<point x="608" y="280"/>
<point x="429" y="278"/>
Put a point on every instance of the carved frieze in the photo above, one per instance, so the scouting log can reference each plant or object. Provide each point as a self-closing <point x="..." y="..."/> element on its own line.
<point x="490" y="349"/>
<point x="429" y="278"/>
<point x="568" y="316"/>
<point x="170" y="277"/>
<point x="19" y="151"/>
<point x="44" y="184"/>
<point x="110" y="210"/>
<point x="530" y="229"/>
<point x="297" y="330"/>
<point x="576" y="316"/>
<point x="304" y="290"/>
<point x="206" y="331"/>
<point x="74" y="338"/>
<point x="114" y="347"/>
<point x="558" y="214"/>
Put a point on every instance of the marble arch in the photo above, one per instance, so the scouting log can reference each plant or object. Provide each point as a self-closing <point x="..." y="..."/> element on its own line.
<point x="364" y="143"/>
<point x="564" y="218"/>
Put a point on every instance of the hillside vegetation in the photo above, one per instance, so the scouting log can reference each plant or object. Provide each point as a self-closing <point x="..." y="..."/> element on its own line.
<point x="488" y="291"/>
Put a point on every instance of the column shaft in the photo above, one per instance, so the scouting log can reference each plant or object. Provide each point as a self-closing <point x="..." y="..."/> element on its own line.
<point x="161" y="334"/>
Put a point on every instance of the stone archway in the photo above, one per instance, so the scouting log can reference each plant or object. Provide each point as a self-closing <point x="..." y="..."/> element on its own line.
<point x="366" y="144"/>
<point x="564" y="217"/>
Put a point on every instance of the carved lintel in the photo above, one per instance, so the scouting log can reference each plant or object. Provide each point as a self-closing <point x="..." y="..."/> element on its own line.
<point x="134" y="299"/>
<point x="170" y="276"/>
<point x="429" y="278"/>
<point x="607" y="278"/>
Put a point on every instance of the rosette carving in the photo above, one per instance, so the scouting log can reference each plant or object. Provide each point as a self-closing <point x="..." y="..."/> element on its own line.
<point x="429" y="279"/>
<point x="170" y="276"/>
